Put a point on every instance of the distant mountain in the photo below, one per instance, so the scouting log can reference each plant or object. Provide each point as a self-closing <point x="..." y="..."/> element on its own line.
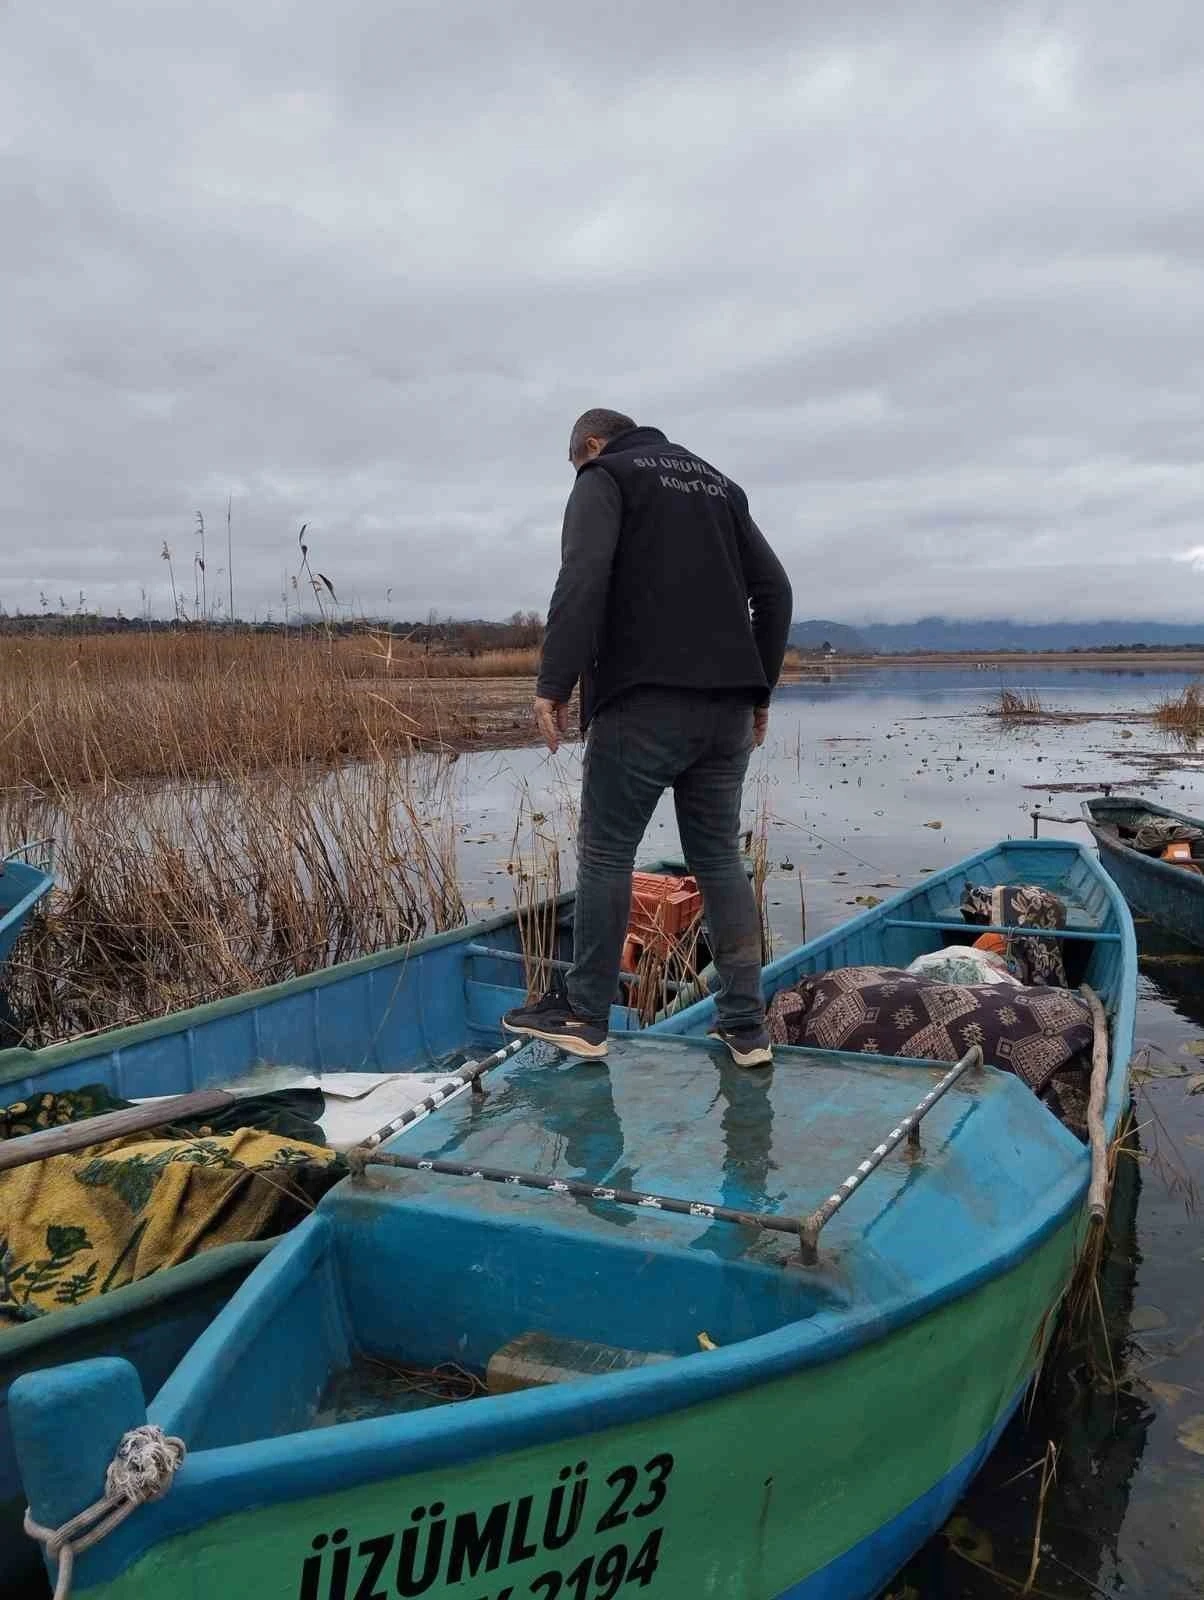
<point x="815" y="633"/>
<point x="943" y="634"/>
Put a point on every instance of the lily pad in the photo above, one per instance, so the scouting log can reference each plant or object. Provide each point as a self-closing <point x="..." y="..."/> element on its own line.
<point x="1191" y="1435"/>
<point x="972" y="1541"/>
<point x="1146" y="1318"/>
<point x="1169" y="1393"/>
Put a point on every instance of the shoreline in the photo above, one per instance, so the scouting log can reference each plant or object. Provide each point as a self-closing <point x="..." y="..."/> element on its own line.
<point x="989" y="660"/>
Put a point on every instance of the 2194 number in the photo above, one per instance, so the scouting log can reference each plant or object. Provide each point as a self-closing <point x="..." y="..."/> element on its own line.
<point x="601" y="1577"/>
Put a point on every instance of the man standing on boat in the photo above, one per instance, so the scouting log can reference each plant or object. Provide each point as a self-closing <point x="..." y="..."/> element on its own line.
<point x="672" y="612"/>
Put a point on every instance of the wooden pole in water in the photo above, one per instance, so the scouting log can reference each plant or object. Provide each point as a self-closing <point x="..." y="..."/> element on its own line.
<point x="1097" y="1193"/>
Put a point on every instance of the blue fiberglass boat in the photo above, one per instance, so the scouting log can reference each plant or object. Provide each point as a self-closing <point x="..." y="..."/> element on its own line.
<point x="671" y="1381"/>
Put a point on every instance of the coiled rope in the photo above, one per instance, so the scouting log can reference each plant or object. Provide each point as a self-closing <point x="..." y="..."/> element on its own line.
<point x="143" y="1469"/>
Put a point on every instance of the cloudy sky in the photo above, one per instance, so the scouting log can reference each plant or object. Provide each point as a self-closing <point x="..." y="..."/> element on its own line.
<point x="928" y="279"/>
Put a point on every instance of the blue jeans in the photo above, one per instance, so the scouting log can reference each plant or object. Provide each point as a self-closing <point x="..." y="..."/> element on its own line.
<point x="698" y="744"/>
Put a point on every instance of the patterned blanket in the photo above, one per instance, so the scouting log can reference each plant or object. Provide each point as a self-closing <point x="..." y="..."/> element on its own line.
<point x="1023" y="905"/>
<point x="1033" y="1032"/>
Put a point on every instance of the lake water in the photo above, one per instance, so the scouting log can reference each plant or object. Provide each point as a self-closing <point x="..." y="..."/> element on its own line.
<point x="869" y="780"/>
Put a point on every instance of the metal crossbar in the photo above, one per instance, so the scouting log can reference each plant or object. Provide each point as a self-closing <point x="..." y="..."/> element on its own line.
<point x="908" y="1128"/>
<point x="469" y="1076"/>
<point x="978" y="928"/>
<point x="805" y="1230"/>
<point x="583" y="1190"/>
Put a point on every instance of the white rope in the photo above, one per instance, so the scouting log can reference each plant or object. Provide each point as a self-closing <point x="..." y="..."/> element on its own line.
<point x="146" y="1462"/>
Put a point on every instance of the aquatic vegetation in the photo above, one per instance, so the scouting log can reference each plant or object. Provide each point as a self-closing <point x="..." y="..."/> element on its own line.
<point x="176" y="894"/>
<point x="1183" y="712"/>
<point x="1018" y="703"/>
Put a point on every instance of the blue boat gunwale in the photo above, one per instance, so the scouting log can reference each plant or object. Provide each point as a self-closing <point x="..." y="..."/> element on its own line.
<point x="42" y="882"/>
<point x="19" y="1062"/>
<point x="302" y="1465"/>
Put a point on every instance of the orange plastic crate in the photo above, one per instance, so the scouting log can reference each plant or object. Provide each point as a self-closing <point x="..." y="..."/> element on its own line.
<point x="663" y="907"/>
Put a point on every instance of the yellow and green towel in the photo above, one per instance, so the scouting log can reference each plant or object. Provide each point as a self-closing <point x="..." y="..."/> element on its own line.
<point x="75" y="1226"/>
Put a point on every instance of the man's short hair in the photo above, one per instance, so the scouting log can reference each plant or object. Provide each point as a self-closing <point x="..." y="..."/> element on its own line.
<point x="597" y="424"/>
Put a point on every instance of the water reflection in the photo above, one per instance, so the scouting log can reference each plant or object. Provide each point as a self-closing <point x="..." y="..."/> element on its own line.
<point x="746" y="1128"/>
<point x="1100" y="1430"/>
<point x="581" y="1133"/>
<point x="1123" y="1515"/>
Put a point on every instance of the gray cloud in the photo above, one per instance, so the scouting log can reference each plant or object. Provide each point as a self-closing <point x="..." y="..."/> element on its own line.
<point x="927" y="279"/>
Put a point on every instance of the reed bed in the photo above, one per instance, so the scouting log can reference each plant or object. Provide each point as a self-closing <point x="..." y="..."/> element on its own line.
<point x="207" y="704"/>
<point x="184" y="893"/>
<point x="1183" y="713"/>
<point x="1018" y="704"/>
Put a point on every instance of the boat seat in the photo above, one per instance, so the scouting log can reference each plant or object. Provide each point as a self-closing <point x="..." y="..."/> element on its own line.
<point x="534" y="1360"/>
<point x="1078" y="919"/>
<point x="977" y="929"/>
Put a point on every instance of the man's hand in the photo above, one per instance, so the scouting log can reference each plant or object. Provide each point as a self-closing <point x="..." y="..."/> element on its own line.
<point x="760" y="725"/>
<point x="552" y="720"/>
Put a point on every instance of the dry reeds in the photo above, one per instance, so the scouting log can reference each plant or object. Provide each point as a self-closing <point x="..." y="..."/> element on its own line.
<point x="205" y="703"/>
<point x="1018" y="704"/>
<point x="534" y="867"/>
<point x="1183" y="713"/>
<point x="179" y="895"/>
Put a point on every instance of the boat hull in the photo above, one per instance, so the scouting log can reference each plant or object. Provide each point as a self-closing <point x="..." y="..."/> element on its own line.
<point x="810" y="1460"/>
<point x="804" y="1486"/>
<point x="151" y="1323"/>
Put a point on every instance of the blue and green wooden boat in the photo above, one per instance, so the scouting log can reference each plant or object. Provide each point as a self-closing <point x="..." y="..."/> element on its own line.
<point x="691" y="1390"/>
<point x="1170" y="895"/>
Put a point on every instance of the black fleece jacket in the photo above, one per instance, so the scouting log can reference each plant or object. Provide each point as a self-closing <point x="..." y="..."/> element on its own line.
<point x="665" y="580"/>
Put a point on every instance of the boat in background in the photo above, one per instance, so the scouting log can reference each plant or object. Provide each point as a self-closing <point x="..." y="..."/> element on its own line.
<point x="683" y="1386"/>
<point x="1170" y="893"/>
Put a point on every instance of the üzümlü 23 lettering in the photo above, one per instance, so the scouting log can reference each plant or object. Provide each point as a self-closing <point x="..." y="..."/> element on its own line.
<point x="437" y="1545"/>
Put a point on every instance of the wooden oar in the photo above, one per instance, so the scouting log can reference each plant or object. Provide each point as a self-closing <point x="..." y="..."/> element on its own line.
<point x="111" y="1125"/>
<point x="1097" y="1193"/>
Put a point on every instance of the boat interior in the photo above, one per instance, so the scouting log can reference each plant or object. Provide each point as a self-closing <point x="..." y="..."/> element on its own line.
<point x="1122" y="817"/>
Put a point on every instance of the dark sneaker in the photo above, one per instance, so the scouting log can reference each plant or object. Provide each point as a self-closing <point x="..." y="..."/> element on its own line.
<point x="554" y="1020"/>
<point x="749" y="1047"/>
